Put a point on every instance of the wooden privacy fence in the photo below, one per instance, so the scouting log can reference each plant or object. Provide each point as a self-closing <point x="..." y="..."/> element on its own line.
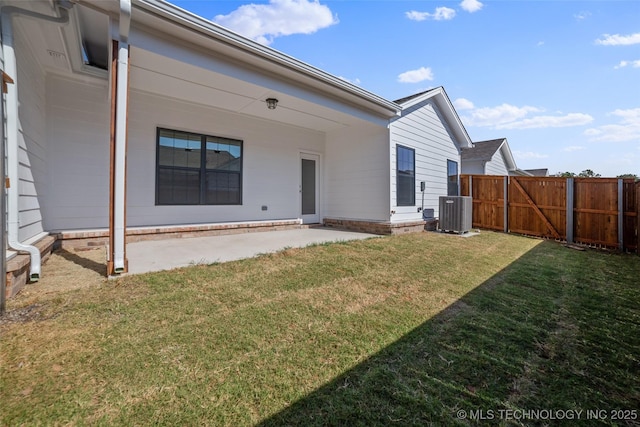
<point x="601" y="212"/>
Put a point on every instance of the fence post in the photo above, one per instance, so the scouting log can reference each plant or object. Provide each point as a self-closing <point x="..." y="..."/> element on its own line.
<point x="620" y="214"/>
<point x="569" y="208"/>
<point x="506" y="204"/>
<point x="470" y="185"/>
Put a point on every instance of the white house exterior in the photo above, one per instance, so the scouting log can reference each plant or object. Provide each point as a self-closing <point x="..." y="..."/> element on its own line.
<point x="135" y="117"/>
<point x="430" y="126"/>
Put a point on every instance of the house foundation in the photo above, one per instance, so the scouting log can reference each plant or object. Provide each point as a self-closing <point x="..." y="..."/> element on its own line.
<point x="383" y="228"/>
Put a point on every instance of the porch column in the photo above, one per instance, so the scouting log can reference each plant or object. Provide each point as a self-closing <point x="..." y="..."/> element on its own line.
<point x="117" y="261"/>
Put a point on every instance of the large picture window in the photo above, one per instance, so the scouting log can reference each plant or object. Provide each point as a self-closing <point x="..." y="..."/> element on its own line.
<point x="405" y="176"/>
<point x="195" y="169"/>
<point x="452" y="178"/>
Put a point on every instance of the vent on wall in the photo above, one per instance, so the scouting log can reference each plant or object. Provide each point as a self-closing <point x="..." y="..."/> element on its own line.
<point x="455" y="213"/>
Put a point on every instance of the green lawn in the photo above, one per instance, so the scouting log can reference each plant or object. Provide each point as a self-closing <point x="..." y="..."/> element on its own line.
<point x="402" y="330"/>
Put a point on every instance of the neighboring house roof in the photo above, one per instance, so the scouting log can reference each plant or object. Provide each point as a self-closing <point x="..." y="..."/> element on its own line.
<point x="482" y="150"/>
<point x="538" y="172"/>
<point x="485" y="150"/>
<point x="439" y="96"/>
<point x="519" y="172"/>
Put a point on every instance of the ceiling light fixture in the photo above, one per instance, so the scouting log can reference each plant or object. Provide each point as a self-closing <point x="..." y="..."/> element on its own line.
<point x="271" y="103"/>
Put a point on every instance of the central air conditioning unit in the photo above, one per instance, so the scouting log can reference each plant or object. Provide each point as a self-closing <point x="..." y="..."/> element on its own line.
<point x="455" y="213"/>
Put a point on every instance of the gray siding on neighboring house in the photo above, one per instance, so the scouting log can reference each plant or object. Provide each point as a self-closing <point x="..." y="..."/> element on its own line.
<point x="421" y="128"/>
<point x="496" y="165"/>
<point x="472" y="167"/>
<point x="32" y="151"/>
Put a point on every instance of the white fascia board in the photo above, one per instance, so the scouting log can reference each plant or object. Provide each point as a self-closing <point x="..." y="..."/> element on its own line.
<point x="208" y="28"/>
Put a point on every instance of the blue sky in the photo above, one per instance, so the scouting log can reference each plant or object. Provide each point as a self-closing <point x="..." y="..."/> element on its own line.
<point x="559" y="79"/>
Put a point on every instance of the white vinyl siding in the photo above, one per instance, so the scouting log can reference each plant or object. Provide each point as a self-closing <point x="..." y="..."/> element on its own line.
<point x="270" y="162"/>
<point x="496" y="166"/>
<point x="472" y="167"/>
<point x="78" y="164"/>
<point x="32" y="147"/>
<point x="422" y="129"/>
<point x="357" y="174"/>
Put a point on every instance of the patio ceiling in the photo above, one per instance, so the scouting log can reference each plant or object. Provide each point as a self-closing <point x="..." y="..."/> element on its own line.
<point x="154" y="73"/>
<point x="193" y="65"/>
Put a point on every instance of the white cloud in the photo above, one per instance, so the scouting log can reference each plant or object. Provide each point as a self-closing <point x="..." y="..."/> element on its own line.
<point x="519" y="155"/>
<point x="627" y="129"/>
<point x="508" y="116"/>
<point x="264" y="22"/>
<point x="633" y="64"/>
<point x="571" y="119"/>
<point x="471" y="5"/>
<point x="540" y="43"/>
<point x="495" y="116"/>
<point x="618" y="40"/>
<point x="440" y="14"/>
<point x="463" y="104"/>
<point x="416" y="76"/>
<point x="573" y="148"/>
<point x="582" y="15"/>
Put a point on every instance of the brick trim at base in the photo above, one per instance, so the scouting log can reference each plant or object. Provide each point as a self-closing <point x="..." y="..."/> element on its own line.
<point x="384" y="228"/>
<point x="97" y="238"/>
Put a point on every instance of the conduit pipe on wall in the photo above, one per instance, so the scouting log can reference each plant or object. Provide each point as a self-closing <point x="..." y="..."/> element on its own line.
<point x="11" y="97"/>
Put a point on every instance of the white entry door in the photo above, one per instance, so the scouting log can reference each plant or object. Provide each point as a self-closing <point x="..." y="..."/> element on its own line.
<point x="309" y="187"/>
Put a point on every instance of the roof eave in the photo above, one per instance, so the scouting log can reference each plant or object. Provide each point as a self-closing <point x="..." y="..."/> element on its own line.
<point x="212" y="30"/>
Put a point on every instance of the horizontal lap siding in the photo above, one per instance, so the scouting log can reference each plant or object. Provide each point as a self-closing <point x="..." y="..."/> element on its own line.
<point x="356" y="174"/>
<point x="271" y="162"/>
<point x="496" y="165"/>
<point x="78" y="126"/>
<point x="422" y="130"/>
<point x="32" y="148"/>
<point x="78" y="163"/>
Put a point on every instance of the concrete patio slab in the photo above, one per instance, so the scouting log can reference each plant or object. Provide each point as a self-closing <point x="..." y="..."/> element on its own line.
<point x="157" y="255"/>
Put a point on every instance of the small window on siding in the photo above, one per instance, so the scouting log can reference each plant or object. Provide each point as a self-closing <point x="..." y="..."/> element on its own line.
<point x="452" y="178"/>
<point x="195" y="169"/>
<point x="405" y="176"/>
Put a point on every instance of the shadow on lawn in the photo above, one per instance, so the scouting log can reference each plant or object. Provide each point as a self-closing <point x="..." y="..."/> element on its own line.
<point x="486" y="352"/>
<point x="87" y="263"/>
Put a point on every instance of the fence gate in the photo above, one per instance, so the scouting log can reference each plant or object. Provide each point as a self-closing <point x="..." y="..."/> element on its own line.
<point x="595" y="211"/>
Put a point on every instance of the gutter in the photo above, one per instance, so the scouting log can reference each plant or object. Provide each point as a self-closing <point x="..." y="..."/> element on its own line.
<point x="11" y="113"/>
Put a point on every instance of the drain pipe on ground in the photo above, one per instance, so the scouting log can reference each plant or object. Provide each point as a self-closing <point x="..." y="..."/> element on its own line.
<point x="11" y="98"/>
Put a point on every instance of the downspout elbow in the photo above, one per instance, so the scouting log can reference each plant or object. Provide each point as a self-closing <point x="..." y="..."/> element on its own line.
<point x="34" y="253"/>
<point x="11" y="99"/>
